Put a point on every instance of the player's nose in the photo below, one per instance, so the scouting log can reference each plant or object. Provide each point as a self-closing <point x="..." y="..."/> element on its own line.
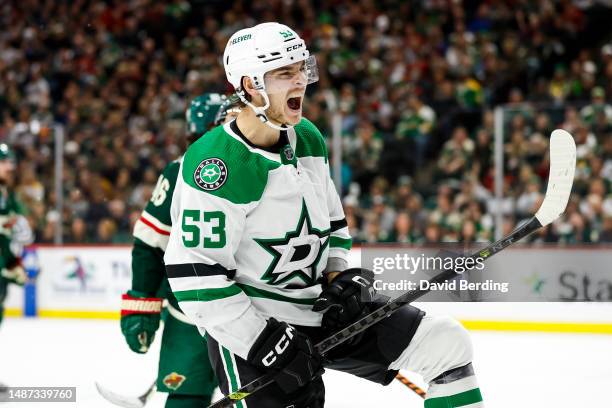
<point x="300" y="79"/>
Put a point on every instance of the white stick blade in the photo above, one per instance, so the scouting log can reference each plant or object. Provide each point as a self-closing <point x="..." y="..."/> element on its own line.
<point x="560" y="178"/>
<point x="119" y="400"/>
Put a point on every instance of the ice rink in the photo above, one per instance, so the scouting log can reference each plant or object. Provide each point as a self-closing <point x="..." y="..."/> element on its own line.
<point x="514" y="369"/>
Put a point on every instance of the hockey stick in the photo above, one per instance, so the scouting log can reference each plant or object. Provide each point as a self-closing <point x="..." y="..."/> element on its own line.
<point x="417" y="390"/>
<point x="560" y="179"/>
<point x="127" y="402"/>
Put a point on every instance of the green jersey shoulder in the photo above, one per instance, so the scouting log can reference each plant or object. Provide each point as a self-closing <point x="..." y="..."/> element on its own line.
<point x="9" y="203"/>
<point x="222" y="164"/>
<point x="225" y="166"/>
<point x="12" y="212"/>
<point x="309" y="140"/>
<point x="161" y="198"/>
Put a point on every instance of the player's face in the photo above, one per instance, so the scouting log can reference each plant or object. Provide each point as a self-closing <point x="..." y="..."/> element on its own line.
<point x="7" y="168"/>
<point x="286" y="87"/>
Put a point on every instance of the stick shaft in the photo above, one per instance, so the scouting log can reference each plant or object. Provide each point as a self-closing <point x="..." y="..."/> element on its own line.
<point x="417" y="390"/>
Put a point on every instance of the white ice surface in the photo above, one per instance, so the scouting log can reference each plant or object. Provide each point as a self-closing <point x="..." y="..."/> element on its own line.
<point x="514" y="369"/>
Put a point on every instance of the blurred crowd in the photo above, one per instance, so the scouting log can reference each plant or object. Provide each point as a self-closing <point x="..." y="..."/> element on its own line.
<point x="415" y="83"/>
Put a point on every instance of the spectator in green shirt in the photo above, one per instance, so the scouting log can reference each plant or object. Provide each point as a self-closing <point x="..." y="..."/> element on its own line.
<point x="417" y="124"/>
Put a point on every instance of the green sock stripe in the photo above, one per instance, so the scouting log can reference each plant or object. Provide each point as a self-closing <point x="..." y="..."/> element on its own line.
<point x="456" y="400"/>
<point x="231" y="374"/>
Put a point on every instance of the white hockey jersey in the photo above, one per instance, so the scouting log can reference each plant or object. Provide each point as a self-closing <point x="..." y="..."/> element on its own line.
<point x="252" y="231"/>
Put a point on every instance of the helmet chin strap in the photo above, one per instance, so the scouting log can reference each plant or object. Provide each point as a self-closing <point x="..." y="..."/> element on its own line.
<point x="260" y="111"/>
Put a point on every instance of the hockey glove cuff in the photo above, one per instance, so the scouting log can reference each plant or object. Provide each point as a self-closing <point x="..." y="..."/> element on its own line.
<point x="140" y="317"/>
<point x="346" y="298"/>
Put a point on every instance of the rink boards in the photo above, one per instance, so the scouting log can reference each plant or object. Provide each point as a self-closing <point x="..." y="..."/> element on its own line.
<point x="87" y="282"/>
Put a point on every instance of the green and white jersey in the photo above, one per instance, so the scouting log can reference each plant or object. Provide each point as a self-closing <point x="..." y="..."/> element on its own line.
<point x="151" y="234"/>
<point x="15" y="231"/>
<point x="10" y="207"/>
<point x="252" y="231"/>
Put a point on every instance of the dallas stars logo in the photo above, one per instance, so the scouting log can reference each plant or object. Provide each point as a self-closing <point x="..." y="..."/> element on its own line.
<point x="210" y="174"/>
<point x="297" y="254"/>
<point x="536" y="283"/>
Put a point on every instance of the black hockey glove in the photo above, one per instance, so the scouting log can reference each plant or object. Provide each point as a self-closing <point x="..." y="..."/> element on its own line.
<point x="346" y="298"/>
<point x="289" y="353"/>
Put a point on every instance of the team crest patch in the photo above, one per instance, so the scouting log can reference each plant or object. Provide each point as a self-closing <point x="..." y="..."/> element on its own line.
<point x="174" y="380"/>
<point x="210" y="174"/>
<point x="288" y="151"/>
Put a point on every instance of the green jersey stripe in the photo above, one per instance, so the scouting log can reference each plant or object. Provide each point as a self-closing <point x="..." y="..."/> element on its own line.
<point x="337" y="242"/>
<point x="457" y="400"/>
<point x="206" y="295"/>
<point x="252" y="291"/>
<point x="231" y="373"/>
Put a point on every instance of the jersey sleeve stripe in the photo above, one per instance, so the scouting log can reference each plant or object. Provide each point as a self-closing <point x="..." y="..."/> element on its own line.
<point x="149" y="236"/>
<point x="338" y="224"/>
<point x="207" y="295"/>
<point x="341" y="233"/>
<point x="150" y="224"/>
<point x="154" y="219"/>
<point x="192" y="283"/>
<point x="252" y="291"/>
<point x="337" y="242"/>
<point x="198" y="269"/>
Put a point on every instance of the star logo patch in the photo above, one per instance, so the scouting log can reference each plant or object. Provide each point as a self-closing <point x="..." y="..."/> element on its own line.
<point x="296" y="255"/>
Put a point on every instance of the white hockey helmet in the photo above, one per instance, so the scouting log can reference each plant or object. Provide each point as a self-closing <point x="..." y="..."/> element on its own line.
<point x="253" y="51"/>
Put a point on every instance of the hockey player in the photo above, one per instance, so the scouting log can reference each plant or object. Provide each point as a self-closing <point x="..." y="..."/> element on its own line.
<point x="184" y="369"/>
<point x="257" y="224"/>
<point x="15" y="231"/>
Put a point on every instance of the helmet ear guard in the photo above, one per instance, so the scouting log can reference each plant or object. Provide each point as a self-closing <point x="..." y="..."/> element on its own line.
<point x="260" y="111"/>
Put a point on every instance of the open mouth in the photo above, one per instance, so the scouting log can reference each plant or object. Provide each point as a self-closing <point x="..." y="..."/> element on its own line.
<point x="294" y="103"/>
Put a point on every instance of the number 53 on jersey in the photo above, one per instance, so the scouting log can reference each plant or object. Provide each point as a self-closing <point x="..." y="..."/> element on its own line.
<point x="206" y="228"/>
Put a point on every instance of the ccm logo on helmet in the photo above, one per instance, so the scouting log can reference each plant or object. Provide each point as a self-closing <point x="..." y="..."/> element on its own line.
<point x="294" y="47"/>
<point x="280" y="347"/>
